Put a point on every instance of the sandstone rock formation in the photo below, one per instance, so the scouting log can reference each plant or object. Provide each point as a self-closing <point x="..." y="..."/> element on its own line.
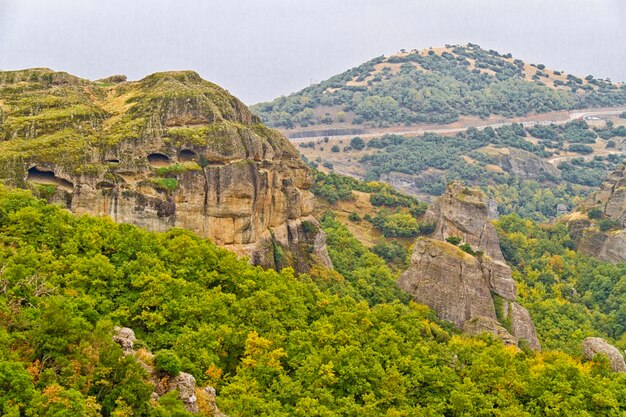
<point x="474" y="291"/>
<point x="522" y="163"/>
<point x="171" y="150"/>
<point x="478" y="325"/>
<point x="596" y="345"/>
<point x="610" y="200"/>
<point x="184" y="383"/>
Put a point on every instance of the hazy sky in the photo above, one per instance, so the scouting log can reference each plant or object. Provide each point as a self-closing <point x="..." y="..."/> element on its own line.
<point x="259" y="49"/>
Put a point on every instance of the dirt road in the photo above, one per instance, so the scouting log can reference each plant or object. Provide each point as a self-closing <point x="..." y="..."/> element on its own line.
<point x="416" y="130"/>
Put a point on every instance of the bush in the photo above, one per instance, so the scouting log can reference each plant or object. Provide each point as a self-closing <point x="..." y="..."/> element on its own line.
<point x="166" y="184"/>
<point x="167" y="362"/>
<point x="357" y="143"/>
<point x="595" y="213"/>
<point x="427" y="228"/>
<point x="309" y="227"/>
<point x="455" y="240"/>
<point x="467" y="248"/>
<point x="579" y="148"/>
<point x="606" y="225"/>
<point x="392" y="252"/>
<point x="397" y="224"/>
<point x="354" y="217"/>
<point x="335" y="148"/>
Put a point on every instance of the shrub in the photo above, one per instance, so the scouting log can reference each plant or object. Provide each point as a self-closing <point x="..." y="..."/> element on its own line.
<point x="467" y="248"/>
<point x="354" y="217"/>
<point x="391" y="252"/>
<point x="595" y="213"/>
<point x="455" y="240"/>
<point x="335" y="148"/>
<point x="357" y="143"/>
<point x="579" y="148"/>
<point x="167" y="362"/>
<point x="606" y="225"/>
<point x="166" y="184"/>
<point x="309" y="227"/>
<point x="427" y="228"/>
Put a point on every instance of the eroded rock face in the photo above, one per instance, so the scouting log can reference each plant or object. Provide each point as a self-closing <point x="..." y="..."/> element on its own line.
<point x="184" y="383"/>
<point x="173" y="150"/>
<point x="463" y="212"/>
<point x="124" y="337"/>
<point x="527" y="165"/>
<point x="475" y="292"/>
<point x="596" y="345"/>
<point x="191" y="396"/>
<point x="477" y="325"/>
<point x="610" y="200"/>
<point x="447" y="280"/>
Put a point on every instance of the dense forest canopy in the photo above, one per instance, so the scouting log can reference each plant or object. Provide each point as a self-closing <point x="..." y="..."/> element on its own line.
<point x="438" y="86"/>
<point x="342" y="343"/>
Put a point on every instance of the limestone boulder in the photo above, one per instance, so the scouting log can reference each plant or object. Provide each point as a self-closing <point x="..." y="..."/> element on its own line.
<point x="593" y="346"/>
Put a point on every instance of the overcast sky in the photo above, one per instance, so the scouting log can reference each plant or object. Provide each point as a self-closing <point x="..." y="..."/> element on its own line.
<point x="259" y="49"/>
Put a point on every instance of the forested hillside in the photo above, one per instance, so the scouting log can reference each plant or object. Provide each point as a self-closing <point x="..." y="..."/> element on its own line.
<point x="526" y="170"/>
<point x="437" y="86"/>
<point x="571" y="296"/>
<point x="341" y="343"/>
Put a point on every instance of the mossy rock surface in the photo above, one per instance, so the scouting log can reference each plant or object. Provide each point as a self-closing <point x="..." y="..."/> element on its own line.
<point x="49" y="117"/>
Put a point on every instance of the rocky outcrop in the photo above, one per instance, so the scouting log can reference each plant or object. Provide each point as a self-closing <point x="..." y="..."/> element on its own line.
<point x="463" y="213"/>
<point x="449" y="281"/>
<point x="599" y="224"/>
<point x="459" y="271"/>
<point x="183" y="383"/>
<point x="171" y="150"/>
<point x="478" y="325"/>
<point x="593" y="346"/>
<point x="522" y="163"/>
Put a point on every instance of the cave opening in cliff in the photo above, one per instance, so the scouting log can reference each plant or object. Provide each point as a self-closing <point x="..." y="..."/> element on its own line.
<point x="105" y="185"/>
<point x="187" y="155"/>
<point x="158" y="160"/>
<point x="38" y="176"/>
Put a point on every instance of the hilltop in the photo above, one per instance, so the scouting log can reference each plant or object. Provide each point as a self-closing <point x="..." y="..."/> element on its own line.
<point x="170" y="150"/>
<point x="436" y="86"/>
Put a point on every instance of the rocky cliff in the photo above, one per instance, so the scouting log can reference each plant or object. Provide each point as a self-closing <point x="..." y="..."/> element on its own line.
<point x="459" y="271"/>
<point x="598" y="225"/>
<point x="170" y="150"/>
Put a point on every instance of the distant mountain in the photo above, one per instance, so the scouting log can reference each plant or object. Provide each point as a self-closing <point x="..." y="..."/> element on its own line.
<point x="437" y="86"/>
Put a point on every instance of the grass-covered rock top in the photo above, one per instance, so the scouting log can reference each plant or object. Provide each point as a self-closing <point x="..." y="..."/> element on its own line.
<point x="57" y="118"/>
